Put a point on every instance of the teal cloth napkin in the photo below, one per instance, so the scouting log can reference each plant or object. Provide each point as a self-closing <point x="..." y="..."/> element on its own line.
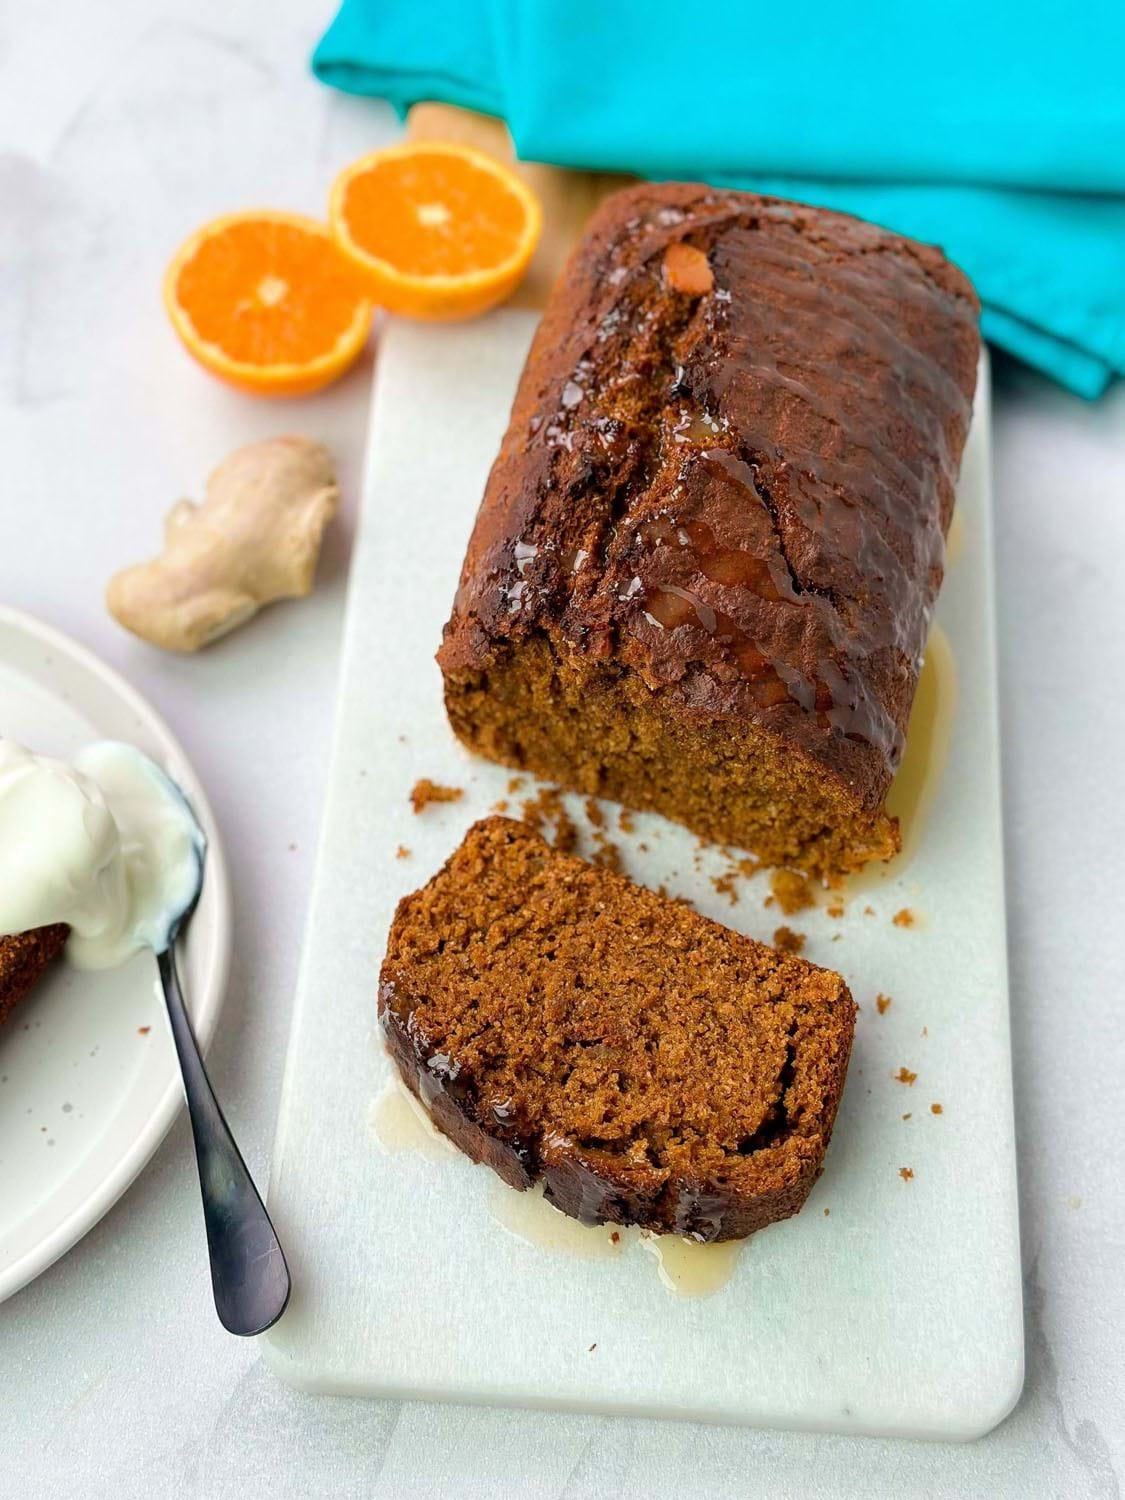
<point x="992" y="128"/>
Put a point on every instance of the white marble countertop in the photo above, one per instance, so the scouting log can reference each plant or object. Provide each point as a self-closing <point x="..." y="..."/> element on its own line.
<point x="123" y="125"/>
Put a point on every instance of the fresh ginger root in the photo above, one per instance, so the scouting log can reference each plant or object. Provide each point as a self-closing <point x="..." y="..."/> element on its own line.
<point x="254" y="538"/>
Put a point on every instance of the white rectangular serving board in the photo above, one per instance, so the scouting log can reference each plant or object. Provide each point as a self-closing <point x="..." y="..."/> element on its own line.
<point x="889" y="1305"/>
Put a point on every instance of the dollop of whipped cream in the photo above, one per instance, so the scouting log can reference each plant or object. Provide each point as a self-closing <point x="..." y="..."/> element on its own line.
<point x="106" y="844"/>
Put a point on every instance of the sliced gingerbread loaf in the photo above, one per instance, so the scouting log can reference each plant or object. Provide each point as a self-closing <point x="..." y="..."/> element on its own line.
<point x="708" y="552"/>
<point x="23" y="959"/>
<point x="652" y="1067"/>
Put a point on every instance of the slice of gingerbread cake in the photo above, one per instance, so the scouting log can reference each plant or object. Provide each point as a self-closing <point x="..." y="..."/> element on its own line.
<point x="652" y="1067"/>
<point x="24" y="958"/>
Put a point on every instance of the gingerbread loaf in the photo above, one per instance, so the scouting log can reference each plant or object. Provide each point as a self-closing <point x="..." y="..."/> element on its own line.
<point x="703" y="571"/>
<point x="650" y="1066"/>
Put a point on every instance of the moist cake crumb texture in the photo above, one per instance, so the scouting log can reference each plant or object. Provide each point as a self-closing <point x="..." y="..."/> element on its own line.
<point x="546" y="813"/>
<point x="651" y="1066"/>
<point x="788" y="941"/>
<point x="791" y="891"/>
<point x="23" y="959"/>
<point x="426" y="791"/>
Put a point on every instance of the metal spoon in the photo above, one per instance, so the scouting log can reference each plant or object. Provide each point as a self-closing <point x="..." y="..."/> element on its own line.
<point x="249" y="1276"/>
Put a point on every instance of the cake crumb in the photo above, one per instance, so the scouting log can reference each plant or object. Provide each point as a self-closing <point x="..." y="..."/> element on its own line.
<point x="909" y="1115"/>
<point x="625" y="821"/>
<point x="606" y="853"/>
<point x="791" y="891"/>
<point x="936" y="1109"/>
<point x="426" y="791"/>
<point x="402" y="852"/>
<point x="143" y="1030"/>
<point x="615" y="1238"/>
<point x="788" y="940"/>
<point x="835" y="907"/>
<point x="515" y="783"/>
<point x="826" y="1213"/>
<point x="748" y="868"/>
<point x="594" y="815"/>
<point x="868" y="911"/>
<point x="925" y="1031"/>
<point x="904" y="1075"/>
<point x="546" y="813"/>
<point x="725" y="886"/>
<point x="882" y="1004"/>
<point x="904" y="918"/>
<point x="905" y="1173"/>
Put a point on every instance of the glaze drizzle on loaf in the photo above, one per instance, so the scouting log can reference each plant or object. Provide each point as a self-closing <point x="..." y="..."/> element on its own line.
<point x="729" y="471"/>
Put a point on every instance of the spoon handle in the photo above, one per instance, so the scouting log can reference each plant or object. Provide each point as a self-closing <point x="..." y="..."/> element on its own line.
<point x="248" y="1271"/>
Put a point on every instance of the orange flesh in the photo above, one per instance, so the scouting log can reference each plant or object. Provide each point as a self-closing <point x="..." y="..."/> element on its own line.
<point x="433" y="215"/>
<point x="268" y="293"/>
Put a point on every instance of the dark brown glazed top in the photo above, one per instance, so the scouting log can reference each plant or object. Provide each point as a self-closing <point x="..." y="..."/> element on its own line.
<point x="730" y="467"/>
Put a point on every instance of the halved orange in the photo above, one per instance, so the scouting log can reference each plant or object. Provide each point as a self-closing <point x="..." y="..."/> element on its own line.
<point x="266" y="301"/>
<point x="439" y="230"/>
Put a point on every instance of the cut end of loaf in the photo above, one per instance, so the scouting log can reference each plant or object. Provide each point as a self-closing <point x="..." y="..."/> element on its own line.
<point x="600" y="730"/>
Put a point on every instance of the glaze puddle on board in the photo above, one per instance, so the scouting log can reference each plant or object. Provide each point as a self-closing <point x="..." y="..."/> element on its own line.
<point x="401" y="1124"/>
<point x="928" y="737"/>
<point x="690" y="1269"/>
<point x="920" y="773"/>
<point x="535" y="1221"/>
<point x="956" y="538"/>
<point x="686" y="1268"/>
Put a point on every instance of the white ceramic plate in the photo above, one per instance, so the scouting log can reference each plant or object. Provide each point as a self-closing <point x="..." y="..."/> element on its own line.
<point x="88" y="1077"/>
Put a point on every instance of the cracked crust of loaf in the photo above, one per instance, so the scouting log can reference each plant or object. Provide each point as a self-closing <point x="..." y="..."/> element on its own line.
<point x="24" y="958"/>
<point x="651" y="1066"/>
<point x="704" y="567"/>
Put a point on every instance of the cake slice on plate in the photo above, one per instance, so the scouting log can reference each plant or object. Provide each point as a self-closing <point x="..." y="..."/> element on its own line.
<point x="24" y="958"/>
